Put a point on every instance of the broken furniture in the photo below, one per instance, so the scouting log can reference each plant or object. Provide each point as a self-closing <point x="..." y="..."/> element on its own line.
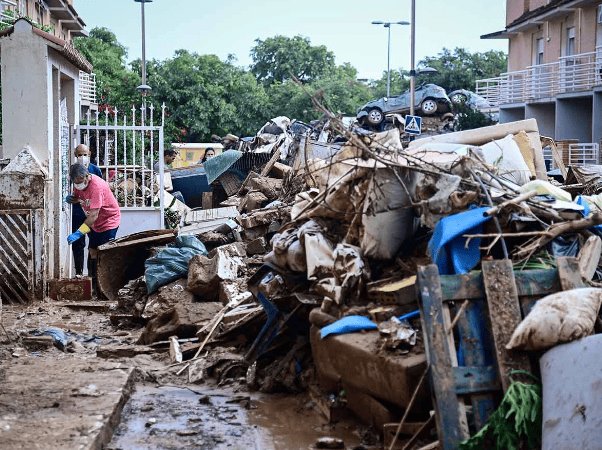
<point x="471" y="361"/>
<point x="123" y="259"/>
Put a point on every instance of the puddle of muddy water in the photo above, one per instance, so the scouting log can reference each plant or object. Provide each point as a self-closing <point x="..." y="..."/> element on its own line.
<point x="289" y="422"/>
<point x="206" y="418"/>
<point x="174" y="418"/>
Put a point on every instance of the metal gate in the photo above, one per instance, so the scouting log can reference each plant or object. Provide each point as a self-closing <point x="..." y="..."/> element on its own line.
<point x="17" y="281"/>
<point x="127" y="149"/>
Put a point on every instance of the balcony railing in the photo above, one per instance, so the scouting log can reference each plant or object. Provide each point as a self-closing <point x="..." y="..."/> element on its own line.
<point x="7" y="11"/>
<point x="87" y="87"/>
<point x="585" y="153"/>
<point x="573" y="73"/>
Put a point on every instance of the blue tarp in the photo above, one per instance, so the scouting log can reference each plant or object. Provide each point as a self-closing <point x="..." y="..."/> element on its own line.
<point x="448" y="247"/>
<point x="217" y="165"/>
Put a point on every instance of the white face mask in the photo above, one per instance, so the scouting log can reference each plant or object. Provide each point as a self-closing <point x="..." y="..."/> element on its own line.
<point x="80" y="186"/>
<point x="84" y="160"/>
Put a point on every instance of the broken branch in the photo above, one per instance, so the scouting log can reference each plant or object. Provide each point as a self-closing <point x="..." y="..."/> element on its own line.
<point x="515" y="201"/>
<point x="557" y="229"/>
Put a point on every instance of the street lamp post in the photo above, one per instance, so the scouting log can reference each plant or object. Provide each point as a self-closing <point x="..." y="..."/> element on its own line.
<point x="413" y="57"/>
<point x="143" y="88"/>
<point x="387" y="25"/>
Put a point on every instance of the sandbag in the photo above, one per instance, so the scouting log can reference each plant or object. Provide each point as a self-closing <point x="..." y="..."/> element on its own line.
<point x="561" y="317"/>
<point x="171" y="263"/>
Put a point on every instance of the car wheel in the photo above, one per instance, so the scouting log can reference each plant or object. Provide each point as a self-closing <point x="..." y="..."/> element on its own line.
<point x="375" y="116"/>
<point x="429" y="106"/>
<point x="458" y="98"/>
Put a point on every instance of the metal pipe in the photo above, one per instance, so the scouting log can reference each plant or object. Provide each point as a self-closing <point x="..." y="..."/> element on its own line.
<point x="412" y="57"/>
<point x="143" y="45"/>
<point x="388" y="26"/>
<point x="389" y="61"/>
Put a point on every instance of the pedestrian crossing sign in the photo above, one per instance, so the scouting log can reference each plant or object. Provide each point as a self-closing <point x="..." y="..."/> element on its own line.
<point x="413" y="124"/>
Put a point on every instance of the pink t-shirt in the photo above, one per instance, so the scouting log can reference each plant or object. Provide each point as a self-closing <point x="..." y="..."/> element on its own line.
<point x="98" y="195"/>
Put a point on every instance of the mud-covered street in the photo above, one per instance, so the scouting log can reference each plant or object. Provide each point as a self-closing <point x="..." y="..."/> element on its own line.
<point x="73" y="399"/>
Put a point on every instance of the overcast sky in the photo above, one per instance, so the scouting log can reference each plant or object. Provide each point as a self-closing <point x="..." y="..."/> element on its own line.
<point x="231" y="27"/>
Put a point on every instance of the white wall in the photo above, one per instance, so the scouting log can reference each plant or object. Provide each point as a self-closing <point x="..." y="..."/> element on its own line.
<point x="25" y="94"/>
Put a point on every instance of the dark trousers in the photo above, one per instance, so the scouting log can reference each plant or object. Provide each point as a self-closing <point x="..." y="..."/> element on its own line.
<point x="78" y="246"/>
<point x="97" y="239"/>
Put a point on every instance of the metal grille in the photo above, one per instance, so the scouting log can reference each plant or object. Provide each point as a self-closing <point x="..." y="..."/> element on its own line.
<point x="584" y="153"/>
<point x="127" y="147"/>
<point x="87" y="87"/>
<point x="16" y="256"/>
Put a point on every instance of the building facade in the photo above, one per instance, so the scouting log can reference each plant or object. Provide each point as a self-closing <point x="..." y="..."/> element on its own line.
<point x="554" y="68"/>
<point x="57" y="16"/>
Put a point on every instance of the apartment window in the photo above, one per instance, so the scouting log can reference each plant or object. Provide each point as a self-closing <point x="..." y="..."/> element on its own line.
<point x="22" y="6"/>
<point x="599" y="13"/>
<point x="539" y="51"/>
<point x="570" y="41"/>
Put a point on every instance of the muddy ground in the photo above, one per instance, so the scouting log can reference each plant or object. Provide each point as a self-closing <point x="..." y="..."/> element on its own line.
<point x="73" y="399"/>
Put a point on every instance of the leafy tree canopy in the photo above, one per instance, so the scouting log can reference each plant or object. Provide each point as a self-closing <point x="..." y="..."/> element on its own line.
<point x="459" y="69"/>
<point x="205" y="95"/>
<point x="115" y="83"/>
<point x="280" y="58"/>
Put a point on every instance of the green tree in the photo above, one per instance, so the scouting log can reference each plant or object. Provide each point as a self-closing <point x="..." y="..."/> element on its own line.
<point x="468" y="118"/>
<point x="400" y="82"/>
<point x="205" y="96"/>
<point x="116" y="84"/>
<point x="339" y="91"/>
<point x="280" y="58"/>
<point x="460" y="69"/>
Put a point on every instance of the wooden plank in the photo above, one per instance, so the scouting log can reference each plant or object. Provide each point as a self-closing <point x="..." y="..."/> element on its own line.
<point x="539" y="282"/>
<point x="266" y="169"/>
<point x="569" y="273"/>
<point x="475" y="343"/>
<point x="471" y="380"/>
<point x="451" y="420"/>
<point x="536" y="283"/>
<point x="505" y="315"/>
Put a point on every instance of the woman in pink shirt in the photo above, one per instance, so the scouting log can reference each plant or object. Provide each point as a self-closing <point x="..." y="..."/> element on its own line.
<point x="101" y="208"/>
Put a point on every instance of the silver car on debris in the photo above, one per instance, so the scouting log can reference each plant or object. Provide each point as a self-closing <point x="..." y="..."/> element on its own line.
<point x="429" y="100"/>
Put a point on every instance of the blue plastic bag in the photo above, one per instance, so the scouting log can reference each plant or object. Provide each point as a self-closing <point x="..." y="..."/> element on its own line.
<point x="171" y="263"/>
<point x="348" y="324"/>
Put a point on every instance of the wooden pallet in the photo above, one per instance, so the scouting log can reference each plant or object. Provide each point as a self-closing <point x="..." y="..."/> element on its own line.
<point x="488" y="307"/>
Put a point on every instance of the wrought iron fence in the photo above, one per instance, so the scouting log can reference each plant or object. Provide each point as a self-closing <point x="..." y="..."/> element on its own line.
<point x="129" y="150"/>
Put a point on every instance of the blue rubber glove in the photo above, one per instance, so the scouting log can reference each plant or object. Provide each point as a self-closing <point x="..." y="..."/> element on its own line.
<point x="70" y="198"/>
<point x="74" y="237"/>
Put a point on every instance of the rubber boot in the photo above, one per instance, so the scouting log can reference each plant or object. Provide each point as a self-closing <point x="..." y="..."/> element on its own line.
<point x="78" y="262"/>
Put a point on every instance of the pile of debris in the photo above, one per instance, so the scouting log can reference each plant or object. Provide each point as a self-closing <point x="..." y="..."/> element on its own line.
<point x="340" y="241"/>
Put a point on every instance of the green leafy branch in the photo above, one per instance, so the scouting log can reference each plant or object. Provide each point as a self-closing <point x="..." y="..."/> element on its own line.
<point x="516" y="423"/>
